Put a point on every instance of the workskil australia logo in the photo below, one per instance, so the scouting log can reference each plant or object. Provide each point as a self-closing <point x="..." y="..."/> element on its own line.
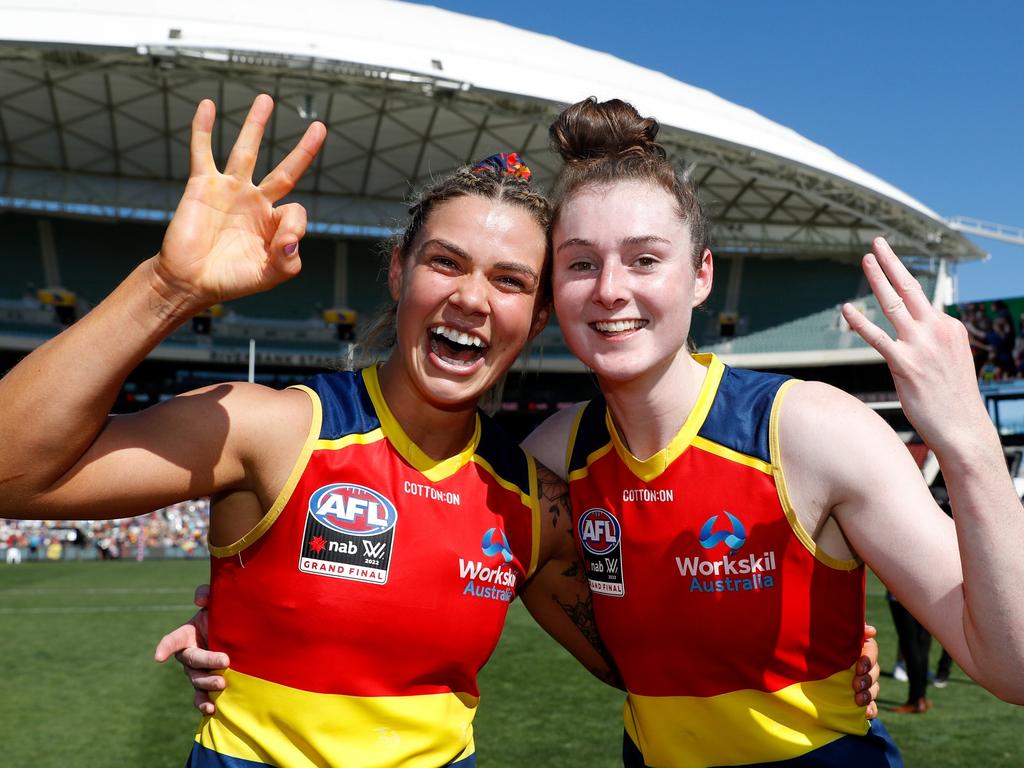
<point x="601" y="536"/>
<point x="728" y="573"/>
<point x="349" y="533"/>
<point x="491" y="582"/>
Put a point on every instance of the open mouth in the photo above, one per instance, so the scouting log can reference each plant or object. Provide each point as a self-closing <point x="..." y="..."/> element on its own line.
<point x="615" y="327"/>
<point x="456" y="347"/>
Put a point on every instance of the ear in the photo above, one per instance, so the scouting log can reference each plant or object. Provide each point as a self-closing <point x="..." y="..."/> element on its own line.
<point x="703" y="278"/>
<point x="539" y="322"/>
<point x="395" y="274"/>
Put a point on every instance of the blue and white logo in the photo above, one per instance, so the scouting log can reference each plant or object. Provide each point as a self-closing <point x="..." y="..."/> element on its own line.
<point x="352" y="509"/>
<point x="734" y="538"/>
<point x="494" y="542"/>
<point x="599" y="531"/>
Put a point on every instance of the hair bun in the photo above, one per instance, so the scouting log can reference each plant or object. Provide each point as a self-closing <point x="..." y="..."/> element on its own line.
<point x="591" y="129"/>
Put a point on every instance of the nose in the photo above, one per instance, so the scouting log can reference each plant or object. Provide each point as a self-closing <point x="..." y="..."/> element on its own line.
<point x="609" y="290"/>
<point x="471" y="294"/>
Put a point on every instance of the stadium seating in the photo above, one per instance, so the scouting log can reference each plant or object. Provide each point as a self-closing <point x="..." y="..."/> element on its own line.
<point x="783" y="304"/>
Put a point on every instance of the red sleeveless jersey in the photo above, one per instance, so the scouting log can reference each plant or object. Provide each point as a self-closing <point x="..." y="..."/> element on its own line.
<point x="359" y="611"/>
<point x="735" y="635"/>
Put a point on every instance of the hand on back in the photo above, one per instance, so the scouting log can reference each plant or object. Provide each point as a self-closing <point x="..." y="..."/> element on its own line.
<point x="227" y="239"/>
<point x="187" y="644"/>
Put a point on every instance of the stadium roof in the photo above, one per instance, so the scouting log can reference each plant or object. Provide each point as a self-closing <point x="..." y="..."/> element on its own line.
<point x="96" y="101"/>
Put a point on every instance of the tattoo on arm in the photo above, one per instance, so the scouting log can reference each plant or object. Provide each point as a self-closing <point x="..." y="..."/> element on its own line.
<point x="582" y="615"/>
<point x="554" y="494"/>
<point x="554" y="499"/>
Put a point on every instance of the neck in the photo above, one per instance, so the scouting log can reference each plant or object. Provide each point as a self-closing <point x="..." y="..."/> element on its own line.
<point x="649" y="410"/>
<point x="439" y="432"/>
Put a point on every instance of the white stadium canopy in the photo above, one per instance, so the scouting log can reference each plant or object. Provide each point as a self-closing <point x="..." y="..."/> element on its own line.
<point x="96" y="100"/>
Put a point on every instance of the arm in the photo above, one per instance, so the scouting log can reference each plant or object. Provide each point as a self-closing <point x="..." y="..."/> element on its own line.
<point x="965" y="584"/>
<point x="557" y="595"/>
<point x="60" y="454"/>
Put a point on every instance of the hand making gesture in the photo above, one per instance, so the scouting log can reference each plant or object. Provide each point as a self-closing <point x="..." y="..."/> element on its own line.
<point x="930" y="357"/>
<point x="227" y="239"/>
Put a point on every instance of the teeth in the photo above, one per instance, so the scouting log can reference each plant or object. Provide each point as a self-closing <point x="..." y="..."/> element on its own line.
<point x="458" y="336"/>
<point x="619" y="325"/>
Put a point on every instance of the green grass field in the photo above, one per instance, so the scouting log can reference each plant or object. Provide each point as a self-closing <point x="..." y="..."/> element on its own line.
<point x="80" y="687"/>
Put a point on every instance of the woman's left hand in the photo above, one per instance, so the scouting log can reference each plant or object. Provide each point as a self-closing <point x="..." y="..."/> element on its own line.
<point x="930" y="358"/>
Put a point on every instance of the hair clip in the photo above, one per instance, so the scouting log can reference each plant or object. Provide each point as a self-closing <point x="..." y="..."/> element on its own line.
<point x="504" y="164"/>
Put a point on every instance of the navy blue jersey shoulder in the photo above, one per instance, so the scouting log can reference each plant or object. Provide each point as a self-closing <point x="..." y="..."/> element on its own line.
<point x="740" y="415"/>
<point x="503" y="454"/>
<point x="591" y="433"/>
<point x="347" y="407"/>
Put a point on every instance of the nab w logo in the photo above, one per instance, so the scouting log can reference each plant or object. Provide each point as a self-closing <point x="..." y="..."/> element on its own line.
<point x="354" y="509"/>
<point x="599" y="531"/>
<point x="374" y="549"/>
<point x="734" y="539"/>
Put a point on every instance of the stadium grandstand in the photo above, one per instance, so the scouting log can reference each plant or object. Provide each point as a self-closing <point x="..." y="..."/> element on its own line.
<point x="96" y="102"/>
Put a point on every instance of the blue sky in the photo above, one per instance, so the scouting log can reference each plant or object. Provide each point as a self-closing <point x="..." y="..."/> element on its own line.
<point x="927" y="95"/>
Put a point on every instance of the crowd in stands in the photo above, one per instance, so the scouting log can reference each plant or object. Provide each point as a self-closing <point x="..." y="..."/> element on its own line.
<point x="996" y="340"/>
<point x="176" y="531"/>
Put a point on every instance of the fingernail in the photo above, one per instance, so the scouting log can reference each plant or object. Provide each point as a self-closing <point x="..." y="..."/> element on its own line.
<point x="290" y="248"/>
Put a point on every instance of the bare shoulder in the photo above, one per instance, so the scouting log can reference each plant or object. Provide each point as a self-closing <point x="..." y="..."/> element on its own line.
<point x="840" y="459"/>
<point x="548" y="442"/>
<point x="835" y="453"/>
<point x="813" y="412"/>
<point x="245" y="410"/>
<point x="267" y="425"/>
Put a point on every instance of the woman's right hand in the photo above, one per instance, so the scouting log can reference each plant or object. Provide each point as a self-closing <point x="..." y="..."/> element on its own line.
<point x="227" y="239"/>
<point x="187" y="644"/>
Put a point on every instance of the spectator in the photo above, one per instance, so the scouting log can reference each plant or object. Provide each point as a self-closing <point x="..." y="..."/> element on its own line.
<point x="1001" y="341"/>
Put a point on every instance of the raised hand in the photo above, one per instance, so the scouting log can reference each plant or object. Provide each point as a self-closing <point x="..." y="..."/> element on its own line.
<point x="930" y="357"/>
<point x="227" y="239"/>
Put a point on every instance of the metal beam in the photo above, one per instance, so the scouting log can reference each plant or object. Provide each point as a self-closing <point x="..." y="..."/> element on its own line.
<point x="989" y="229"/>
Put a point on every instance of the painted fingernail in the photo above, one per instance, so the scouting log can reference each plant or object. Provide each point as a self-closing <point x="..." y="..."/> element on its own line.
<point x="290" y="249"/>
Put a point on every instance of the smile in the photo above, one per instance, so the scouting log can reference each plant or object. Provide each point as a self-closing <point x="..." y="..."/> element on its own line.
<point x="456" y="347"/>
<point x="618" y="326"/>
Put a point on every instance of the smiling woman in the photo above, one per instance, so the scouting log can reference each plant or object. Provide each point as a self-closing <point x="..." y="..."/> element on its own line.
<point x="353" y="515"/>
<point x="745" y="504"/>
<point x="468" y="288"/>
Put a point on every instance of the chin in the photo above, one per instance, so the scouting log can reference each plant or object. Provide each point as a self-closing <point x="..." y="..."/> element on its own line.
<point x="455" y="395"/>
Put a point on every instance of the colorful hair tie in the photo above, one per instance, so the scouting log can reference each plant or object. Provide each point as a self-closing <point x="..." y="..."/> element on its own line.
<point x="504" y="164"/>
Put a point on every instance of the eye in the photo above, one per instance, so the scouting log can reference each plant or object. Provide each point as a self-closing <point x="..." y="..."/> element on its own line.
<point x="446" y="263"/>
<point x="645" y="261"/>
<point x="581" y="266"/>
<point x="512" y="282"/>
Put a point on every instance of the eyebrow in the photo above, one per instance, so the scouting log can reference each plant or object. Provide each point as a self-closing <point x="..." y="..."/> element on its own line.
<point x="510" y="266"/>
<point x="634" y="240"/>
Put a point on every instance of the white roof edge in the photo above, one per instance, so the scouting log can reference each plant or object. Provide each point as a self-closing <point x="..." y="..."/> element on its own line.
<point x="486" y="54"/>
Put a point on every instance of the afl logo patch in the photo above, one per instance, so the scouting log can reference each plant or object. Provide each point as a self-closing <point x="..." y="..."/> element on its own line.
<point x="349" y="534"/>
<point x="599" y="531"/>
<point x="352" y="509"/>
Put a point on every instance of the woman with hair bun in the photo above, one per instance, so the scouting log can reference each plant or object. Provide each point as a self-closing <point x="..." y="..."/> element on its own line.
<point x="370" y="528"/>
<point x="725" y="517"/>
